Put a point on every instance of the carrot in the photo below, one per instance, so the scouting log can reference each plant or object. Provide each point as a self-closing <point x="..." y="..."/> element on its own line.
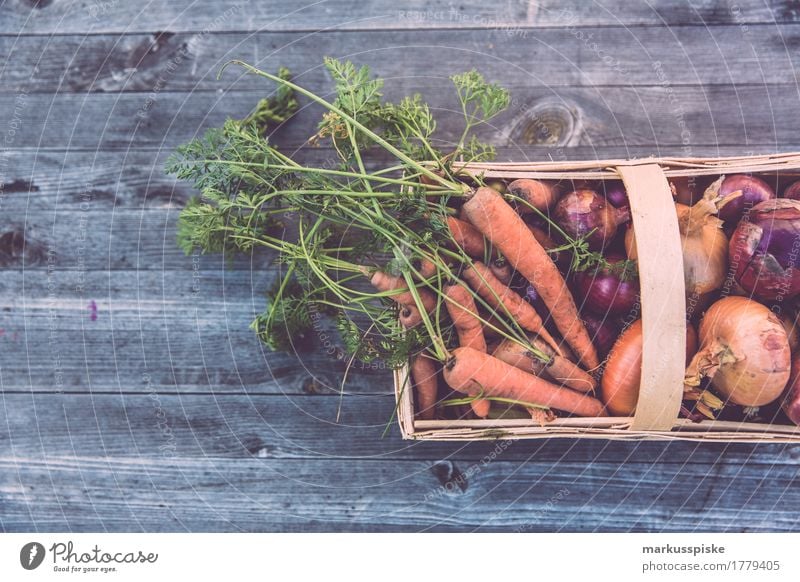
<point x="502" y="299"/>
<point x="467" y="237"/>
<point x="423" y="374"/>
<point x="540" y="195"/>
<point x="471" y="372"/>
<point x="409" y="313"/>
<point x="558" y="368"/>
<point x="492" y="215"/>
<point x="464" y="313"/>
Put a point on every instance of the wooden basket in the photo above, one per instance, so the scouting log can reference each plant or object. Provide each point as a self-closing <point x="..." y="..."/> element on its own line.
<point x="663" y="310"/>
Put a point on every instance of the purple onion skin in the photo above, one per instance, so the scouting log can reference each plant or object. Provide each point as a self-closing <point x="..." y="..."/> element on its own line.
<point x="604" y="293"/>
<point x="754" y="191"/>
<point x="791" y="402"/>
<point x="583" y="211"/>
<point x="616" y="194"/>
<point x="603" y="331"/>
<point x="792" y="191"/>
<point x="765" y="251"/>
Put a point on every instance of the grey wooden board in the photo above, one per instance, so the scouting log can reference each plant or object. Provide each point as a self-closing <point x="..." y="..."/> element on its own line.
<point x="552" y="57"/>
<point x="149" y="493"/>
<point x="65" y="16"/>
<point x="711" y="115"/>
<point x="252" y="442"/>
<point x="297" y="426"/>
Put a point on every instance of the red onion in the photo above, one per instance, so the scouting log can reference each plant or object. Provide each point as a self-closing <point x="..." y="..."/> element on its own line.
<point x="604" y="292"/>
<point x="689" y="189"/>
<point x="583" y="211"/>
<point x="602" y="330"/>
<point x="754" y="190"/>
<point x="792" y="191"/>
<point x="615" y="193"/>
<point x="764" y="250"/>
<point x="791" y="402"/>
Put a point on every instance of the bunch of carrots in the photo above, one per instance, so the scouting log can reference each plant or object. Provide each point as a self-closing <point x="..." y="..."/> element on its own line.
<point x="507" y="298"/>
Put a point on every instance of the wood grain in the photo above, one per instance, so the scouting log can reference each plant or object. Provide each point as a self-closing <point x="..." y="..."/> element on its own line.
<point x="62" y="16"/>
<point x="163" y="62"/>
<point x="175" y="494"/>
<point x="592" y="116"/>
<point x="292" y="426"/>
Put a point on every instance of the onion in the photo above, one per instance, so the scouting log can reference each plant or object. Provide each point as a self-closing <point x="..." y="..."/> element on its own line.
<point x="584" y="211"/>
<point x="604" y="292"/>
<point x="536" y="193"/>
<point x="602" y="330"/>
<point x="744" y="351"/>
<point x="764" y="250"/>
<point x="689" y="189"/>
<point x="753" y="191"/>
<point x="615" y="193"/>
<point x="619" y="388"/>
<point x="792" y="191"/>
<point x="791" y="402"/>
<point x="705" y="246"/>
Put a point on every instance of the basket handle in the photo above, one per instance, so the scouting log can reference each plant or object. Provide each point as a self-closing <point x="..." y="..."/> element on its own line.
<point x="663" y="295"/>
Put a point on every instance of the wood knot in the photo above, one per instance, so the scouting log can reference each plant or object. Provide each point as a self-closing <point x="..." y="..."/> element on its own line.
<point x="450" y="477"/>
<point x="545" y="124"/>
<point x="15" y="250"/>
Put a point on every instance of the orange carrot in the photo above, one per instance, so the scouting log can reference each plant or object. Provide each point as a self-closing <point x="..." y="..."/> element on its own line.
<point x="409" y="313"/>
<point x="423" y="374"/>
<point x="503" y="299"/>
<point x="467" y="237"/>
<point x="559" y="369"/>
<point x="492" y="215"/>
<point x="540" y="195"/>
<point x="464" y="313"/>
<point x="470" y="371"/>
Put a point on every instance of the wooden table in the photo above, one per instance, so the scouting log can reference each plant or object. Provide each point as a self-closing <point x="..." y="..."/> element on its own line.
<point x="134" y="396"/>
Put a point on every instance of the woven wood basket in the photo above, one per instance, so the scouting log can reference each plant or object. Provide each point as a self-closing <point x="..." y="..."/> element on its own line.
<point x="663" y="310"/>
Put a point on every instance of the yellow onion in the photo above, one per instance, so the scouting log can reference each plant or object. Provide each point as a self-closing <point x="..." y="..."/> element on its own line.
<point x="744" y="350"/>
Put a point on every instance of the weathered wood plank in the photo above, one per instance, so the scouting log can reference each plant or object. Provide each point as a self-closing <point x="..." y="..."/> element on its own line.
<point x="63" y="16"/>
<point x="655" y="117"/>
<point x="65" y="180"/>
<point x="555" y="57"/>
<point x="175" y="494"/>
<point x="182" y="331"/>
<point x="102" y="241"/>
<point x="178" y="356"/>
<point x="161" y="425"/>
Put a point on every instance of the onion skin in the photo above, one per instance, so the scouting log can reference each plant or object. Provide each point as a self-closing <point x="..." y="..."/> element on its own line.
<point x="602" y="330"/>
<point x="791" y="402"/>
<point x="616" y="194"/>
<point x="619" y="388"/>
<point x="536" y="193"/>
<point x="705" y="248"/>
<point x="754" y="191"/>
<point x="604" y="293"/>
<point x="583" y="211"/>
<point x="704" y="245"/>
<point x="689" y="189"/>
<point x="792" y="191"/>
<point x="744" y="351"/>
<point x="765" y="251"/>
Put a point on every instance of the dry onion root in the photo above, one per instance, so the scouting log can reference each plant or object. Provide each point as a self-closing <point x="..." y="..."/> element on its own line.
<point x="744" y="352"/>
